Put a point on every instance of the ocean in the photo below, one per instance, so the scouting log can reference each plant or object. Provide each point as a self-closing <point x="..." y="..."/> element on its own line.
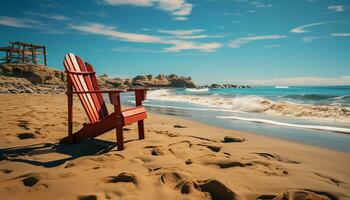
<point x="317" y="116"/>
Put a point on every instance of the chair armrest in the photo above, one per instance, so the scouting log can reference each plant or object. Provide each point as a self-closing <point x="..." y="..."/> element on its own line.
<point x="137" y="89"/>
<point x="140" y="95"/>
<point x="96" y="91"/>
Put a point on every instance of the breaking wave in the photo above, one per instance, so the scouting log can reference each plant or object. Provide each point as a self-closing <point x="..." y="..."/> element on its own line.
<point x="252" y="103"/>
<point x="267" y="121"/>
<point x="197" y="89"/>
<point x="281" y="87"/>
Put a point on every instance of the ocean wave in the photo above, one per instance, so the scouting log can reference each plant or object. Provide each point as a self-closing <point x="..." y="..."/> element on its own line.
<point x="197" y="89"/>
<point x="187" y="108"/>
<point x="345" y="97"/>
<point x="244" y="103"/>
<point x="281" y="87"/>
<point x="251" y="103"/>
<point x="267" y="121"/>
<point x="315" y="97"/>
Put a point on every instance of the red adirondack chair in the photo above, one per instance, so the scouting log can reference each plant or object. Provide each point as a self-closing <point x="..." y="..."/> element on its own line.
<point x="82" y="78"/>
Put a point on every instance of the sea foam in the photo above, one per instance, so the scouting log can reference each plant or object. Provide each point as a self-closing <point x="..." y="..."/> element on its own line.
<point x="252" y="103"/>
<point x="267" y="121"/>
<point x="197" y="89"/>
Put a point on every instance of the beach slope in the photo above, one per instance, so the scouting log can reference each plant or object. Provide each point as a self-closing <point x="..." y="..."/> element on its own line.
<point x="178" y="159"/>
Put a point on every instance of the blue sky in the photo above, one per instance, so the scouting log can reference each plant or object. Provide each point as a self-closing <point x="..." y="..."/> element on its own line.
<point x="264" y="42"/>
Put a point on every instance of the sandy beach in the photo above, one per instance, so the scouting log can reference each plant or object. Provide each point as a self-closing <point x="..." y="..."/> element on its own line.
<point x="192" y="162"/>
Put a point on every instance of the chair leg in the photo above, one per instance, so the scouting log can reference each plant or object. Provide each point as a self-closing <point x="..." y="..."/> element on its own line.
<point x="120" y="138"/>
<point x="141" y="129"/>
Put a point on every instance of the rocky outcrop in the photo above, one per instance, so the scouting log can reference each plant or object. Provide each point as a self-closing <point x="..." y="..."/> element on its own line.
<point x="29" y="78"/>
<point x="36" y="74"/>
<point x="16" y="85"/>
<point x="148" y="81"/>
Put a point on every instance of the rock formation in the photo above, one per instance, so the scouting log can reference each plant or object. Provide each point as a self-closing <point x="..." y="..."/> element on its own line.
<point x="29" y="78"/>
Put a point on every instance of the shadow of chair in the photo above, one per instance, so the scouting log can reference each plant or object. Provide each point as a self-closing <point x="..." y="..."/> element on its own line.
<point x="88" y="147"/>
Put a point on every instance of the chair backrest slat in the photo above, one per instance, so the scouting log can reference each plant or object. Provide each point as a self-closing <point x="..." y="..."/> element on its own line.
<point x="93" y="103"/>
<point x="77" y="87"/>
<point x="103" y="112"/>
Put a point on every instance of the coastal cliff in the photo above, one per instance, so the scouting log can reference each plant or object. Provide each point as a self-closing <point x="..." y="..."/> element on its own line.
<point x="29" y="78"/>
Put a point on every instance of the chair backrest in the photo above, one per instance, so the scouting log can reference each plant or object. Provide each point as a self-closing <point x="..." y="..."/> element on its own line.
<point x="93" y="103"/>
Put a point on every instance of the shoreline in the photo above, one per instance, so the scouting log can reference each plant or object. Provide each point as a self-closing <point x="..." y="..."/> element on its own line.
<point x="164" y="164"/>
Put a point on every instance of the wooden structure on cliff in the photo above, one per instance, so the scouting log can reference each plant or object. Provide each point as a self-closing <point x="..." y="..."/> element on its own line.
<point x="23" y="52"/>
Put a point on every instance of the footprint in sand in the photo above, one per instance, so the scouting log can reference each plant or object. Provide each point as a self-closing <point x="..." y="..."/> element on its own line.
<point x="194" y="153"/>
<point x="154" y="150"/>
<point x="167" y="133"/>
<point x="229" y="139"/>
<point x="30" y="181"/>
<point x="329" y="179"/>
<point x="211" y="188"/>
<point x="223" y="163"/>
<point x="172" y="179"/>
<point x="216" y="189"/>
<point x="182" y="148"/>
<point x="23" y="124"/>
<point x="37" y="133"/>
<point x="96" y="162"/>
<point x="24" y="136"/>
<point x="170" y="176"/>
<point x="6" y="171"/>
<point x="142" y="159"/>
<point x="91" y="197"/>
<point x="212" y="147"/>
<point x="182" y="180"/>
<point x="270" y="169"/>
<point x="299" y="194"/>
<point x="277" y="157"/>
<point x="123" y="185"/>
<point x="123" y="178"/>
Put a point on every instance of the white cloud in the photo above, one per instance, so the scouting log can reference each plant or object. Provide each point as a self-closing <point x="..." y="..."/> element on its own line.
<point x="295" y="81"/>
<point x="179" y="8"/>
<point x="52" y="16"/>
<point x="187" y="45"/>
<point x="340" y="34"/>
<point x="110" y="31"/>
<point x="337" y="8"/>
<point x="191" y="37"/>
<point x="188" y="34"/>
<point x="301" y="29"/>
<point x="236" y="43"/>
<point x="18" y="22"/>
<point x="30" y="24"/>
<point x="177" y="45"/>
<point x="181" y="32"/>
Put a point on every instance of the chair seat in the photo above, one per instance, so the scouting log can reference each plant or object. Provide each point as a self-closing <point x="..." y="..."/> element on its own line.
<point x="132" y="115"/>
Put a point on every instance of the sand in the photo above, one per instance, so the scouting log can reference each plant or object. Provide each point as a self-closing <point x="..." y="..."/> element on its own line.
<point x="191" y="161"/>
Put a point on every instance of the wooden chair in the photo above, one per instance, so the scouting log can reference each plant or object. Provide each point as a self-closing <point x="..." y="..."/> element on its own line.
<point x="82" y="78"/>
